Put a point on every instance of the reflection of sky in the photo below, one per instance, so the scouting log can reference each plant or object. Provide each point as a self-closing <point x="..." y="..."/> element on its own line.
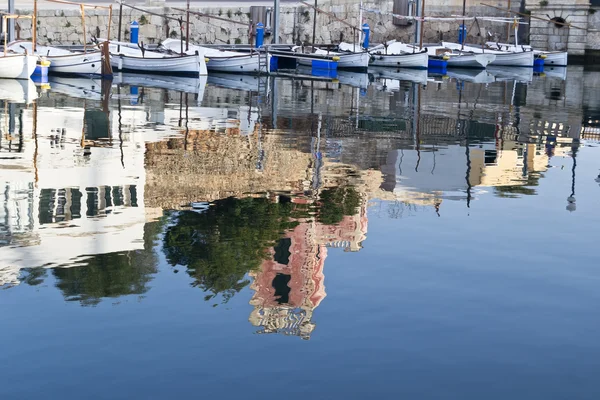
<point x="506" y="289"/>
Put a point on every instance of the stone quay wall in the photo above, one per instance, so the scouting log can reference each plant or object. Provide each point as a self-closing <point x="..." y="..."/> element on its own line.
<point x="64" y="26"/>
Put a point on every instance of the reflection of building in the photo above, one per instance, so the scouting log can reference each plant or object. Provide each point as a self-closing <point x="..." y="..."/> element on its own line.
<point x="290" y="285"/>
<point x="63" y="202"/>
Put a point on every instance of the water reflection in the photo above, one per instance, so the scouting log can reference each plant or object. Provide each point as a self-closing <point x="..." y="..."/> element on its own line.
<point x="285" y="170"/>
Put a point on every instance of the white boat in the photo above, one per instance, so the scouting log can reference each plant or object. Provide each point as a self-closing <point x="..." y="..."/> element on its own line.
<point x="503" y="58"/>
<point x="18" y="90"/>
<point x="347" y="60"/>
<point x="128" y="59"/>
<point x="224" y="60"/>
<point x="555" y="58"/>
<point x="395" y="54"/>
<point x="17" y="66"/>
<point x="63" y="61"/>
<point x="467" y="60"/>
<point x="399" y="74"/>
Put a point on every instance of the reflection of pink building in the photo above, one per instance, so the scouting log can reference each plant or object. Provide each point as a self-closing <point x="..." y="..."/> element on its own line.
<point x="290" y="285"/>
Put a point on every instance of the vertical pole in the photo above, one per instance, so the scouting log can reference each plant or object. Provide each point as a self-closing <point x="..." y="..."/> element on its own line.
<point x="120" y="22"/>
<point x="463" y="28"/>
<point x="11" y="24"/>
<point x="83" y="24"/>
<point x="418" y="24"/>
<point x="275" y="22"/>
<point x="314" y="27"/>
<point x="34" y="26"/>
<point x="187" y="27"/>
<point x="360" y="22"/>
<point x="109" y="22"/>
<point x="422" y="23"/>
<point x="508" y="27"/>
<point x="5" y="33"/>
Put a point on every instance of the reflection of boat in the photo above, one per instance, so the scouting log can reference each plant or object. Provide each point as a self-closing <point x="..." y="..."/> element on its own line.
<point x="18" y="90"/>
<point x="556" y="72"/>
<point x="63" y="61"/>
<point x="83" y="88"/>
<point x="222" y="60"/>
<point x="356" y="79"/>
<point x="177" y="83"/>
<point x="503" y="58"/>
<point x="399" y="74"/>
<point x="470" y="75"/>
<point x="521" y="74"/>
<point x="248" y="83"/>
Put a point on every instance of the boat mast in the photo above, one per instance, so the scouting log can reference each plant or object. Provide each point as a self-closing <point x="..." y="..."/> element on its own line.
<point x="34" y="27"/>
<point x="314" y="33"/>
<point x="421" y="24"/>
<point x="463" y="25"/>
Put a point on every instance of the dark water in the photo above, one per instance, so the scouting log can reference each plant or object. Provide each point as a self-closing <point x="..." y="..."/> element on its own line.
<point x="257" y="238"/>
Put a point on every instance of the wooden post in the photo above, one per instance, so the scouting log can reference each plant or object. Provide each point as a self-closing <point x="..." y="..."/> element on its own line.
<point x="82" y="7"/>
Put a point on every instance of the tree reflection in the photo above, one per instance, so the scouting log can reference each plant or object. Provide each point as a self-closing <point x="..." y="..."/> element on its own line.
<point x="222" y="244"/>
<point x="337" y="202"/>
<point x="111" y="275"/>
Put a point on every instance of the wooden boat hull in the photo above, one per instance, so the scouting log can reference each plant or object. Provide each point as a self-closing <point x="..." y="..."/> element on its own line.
<point x="476" y="61"/>
<point x="555" y="58"/>
<point x="63" y="61"/>
<point x="177" y="66"/>
<point x="407" y="60"/>
<point x="522" y="59"/>
<point x="17" y="66"/>
<point x="76" y="64"/>
<point x="244" y="63"/>
<point x="352" y="61"/>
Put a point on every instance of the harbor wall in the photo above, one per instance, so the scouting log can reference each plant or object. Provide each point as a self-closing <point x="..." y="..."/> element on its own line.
<point x="64" y="26"/>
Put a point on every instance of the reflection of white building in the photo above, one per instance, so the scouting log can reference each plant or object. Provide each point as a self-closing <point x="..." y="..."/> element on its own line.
<point x="76" y="188"/>
<point x="63" y="202"/>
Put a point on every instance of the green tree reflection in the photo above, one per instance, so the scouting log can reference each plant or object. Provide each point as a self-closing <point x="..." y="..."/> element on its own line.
<point x="337" y="202"/>
<point x="222" y="244"/>
<point x="111" y="275"/>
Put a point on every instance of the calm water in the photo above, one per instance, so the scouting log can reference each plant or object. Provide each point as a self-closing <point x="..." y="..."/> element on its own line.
<point x="390" y="235"/>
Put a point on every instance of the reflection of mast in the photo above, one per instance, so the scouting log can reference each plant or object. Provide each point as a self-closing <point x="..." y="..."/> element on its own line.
<point x="571" y="199"/>
<point x="462" y="129"/>
<point x="120" y="126"/>
<point x="35" y="138"/>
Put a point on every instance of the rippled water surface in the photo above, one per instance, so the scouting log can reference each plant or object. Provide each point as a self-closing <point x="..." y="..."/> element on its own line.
<point x="384" y="235"/>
